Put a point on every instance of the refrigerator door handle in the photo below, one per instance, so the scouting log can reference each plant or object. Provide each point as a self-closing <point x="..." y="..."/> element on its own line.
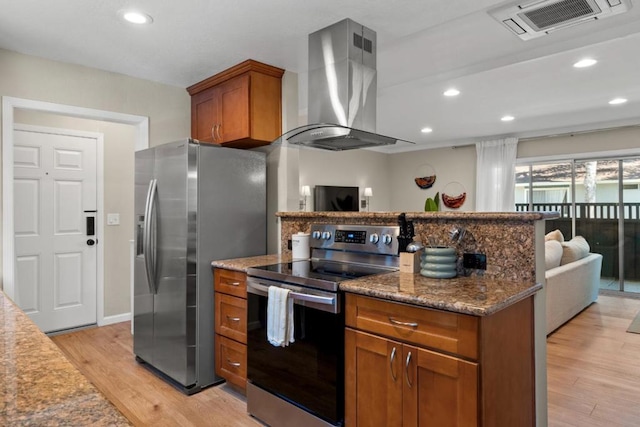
<point x="148" y="241"/>
<point x="152" y="232"/>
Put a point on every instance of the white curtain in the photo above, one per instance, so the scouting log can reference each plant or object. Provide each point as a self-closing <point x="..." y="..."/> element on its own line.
<point x="495" y="175"/>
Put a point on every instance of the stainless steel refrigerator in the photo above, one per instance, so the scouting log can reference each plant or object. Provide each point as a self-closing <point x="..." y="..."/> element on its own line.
<point x="194" y="203"/>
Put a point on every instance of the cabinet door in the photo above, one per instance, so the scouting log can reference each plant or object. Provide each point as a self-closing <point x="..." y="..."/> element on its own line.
<point x="233" y="113"/>
<point x="438" y="390"/>
<point x="373" y="380"/>
<point x="204" y="108"/>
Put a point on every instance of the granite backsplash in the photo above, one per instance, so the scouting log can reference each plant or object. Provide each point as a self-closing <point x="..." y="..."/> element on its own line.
<point x="507" y="239"/>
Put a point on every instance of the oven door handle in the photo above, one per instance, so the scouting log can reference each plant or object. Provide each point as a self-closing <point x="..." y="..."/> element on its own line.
<point x="264" y="291"/>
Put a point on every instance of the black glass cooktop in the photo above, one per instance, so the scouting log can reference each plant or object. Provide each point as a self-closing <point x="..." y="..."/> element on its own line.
<point x="312" y="272"/>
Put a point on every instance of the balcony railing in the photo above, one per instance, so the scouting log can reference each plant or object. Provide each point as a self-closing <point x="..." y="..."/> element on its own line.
<point x="598" y="223"/>
<point x="585" y="210"/>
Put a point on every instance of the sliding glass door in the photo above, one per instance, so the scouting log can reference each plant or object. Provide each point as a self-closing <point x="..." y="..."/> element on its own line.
<point x="597" y="214"/>
<point x="598" y="199"/>
<point x="630" y="245"/>
<point x="547" y="188"/>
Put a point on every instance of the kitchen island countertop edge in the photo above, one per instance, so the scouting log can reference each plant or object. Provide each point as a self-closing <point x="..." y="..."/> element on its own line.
<point x="474" y="295"/>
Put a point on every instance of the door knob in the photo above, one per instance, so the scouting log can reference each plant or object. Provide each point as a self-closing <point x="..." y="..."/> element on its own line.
<point x="91" y="242"/>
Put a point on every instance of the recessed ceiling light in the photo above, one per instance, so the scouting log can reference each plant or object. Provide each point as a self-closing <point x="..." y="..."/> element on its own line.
<point x="617" y="101"/>
<point x="426" y="130"/>
<point x="136" y="17"/>
<point x="452" y="92"/>
<point x="583" y="63"/>
<point x="507" y="118"/>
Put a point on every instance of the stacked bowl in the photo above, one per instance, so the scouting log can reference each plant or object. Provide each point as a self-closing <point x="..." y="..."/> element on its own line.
<point x="439" y="262"/>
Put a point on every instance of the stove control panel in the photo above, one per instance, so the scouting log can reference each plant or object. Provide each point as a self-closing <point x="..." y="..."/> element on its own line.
<point x="355" y="238"/>
<point x="351" y="236"/>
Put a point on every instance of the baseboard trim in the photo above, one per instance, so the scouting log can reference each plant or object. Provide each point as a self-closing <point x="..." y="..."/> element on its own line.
<point x="110" y="320"/>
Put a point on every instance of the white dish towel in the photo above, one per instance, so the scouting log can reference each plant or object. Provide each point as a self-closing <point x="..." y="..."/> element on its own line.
<point x="279" y="317"/>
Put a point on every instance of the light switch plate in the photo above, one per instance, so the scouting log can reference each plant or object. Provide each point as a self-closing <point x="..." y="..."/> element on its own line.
<point x="113" y="219"/>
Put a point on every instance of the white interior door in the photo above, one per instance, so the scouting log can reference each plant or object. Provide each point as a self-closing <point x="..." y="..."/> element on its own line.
<point x="54" y="196"/>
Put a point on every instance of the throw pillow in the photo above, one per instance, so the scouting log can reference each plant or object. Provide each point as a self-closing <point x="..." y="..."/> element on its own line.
<point x="552" y="254"/>
<point x="554" y="235"/>
<point x="575" y="249"/>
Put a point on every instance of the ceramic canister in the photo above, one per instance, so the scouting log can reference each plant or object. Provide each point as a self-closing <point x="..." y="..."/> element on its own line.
<point x="300" y="246"/>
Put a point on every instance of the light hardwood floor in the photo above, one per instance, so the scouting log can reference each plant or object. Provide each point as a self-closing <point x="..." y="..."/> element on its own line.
<point x="104" y="355"/>
<point x="593" y="367"/>
<point x="593" y="375"/>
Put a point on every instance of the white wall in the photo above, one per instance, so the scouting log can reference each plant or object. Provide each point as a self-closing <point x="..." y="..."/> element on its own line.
<point x="391" y="176"/>
<point x="353" y="168"/>
<point x="451" y="165"/>
<point x="168" y="108"/>
<point x="595" y="142"/>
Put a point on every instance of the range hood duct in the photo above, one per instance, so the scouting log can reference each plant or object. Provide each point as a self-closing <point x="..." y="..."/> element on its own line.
<point x="342" y="90"/>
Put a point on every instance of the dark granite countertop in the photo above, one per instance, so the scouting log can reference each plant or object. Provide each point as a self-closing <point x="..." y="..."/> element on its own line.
<point x="487" y="216"/>
<point x="39" y="385"/>
<point x="242" y="264"/>
<point x="474" y="295"/>
<point x="479" y="296"/>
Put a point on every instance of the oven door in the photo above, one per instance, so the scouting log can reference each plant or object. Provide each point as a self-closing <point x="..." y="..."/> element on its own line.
<point x="309" y="372"/>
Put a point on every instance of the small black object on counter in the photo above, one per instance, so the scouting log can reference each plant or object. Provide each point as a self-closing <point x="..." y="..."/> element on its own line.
<point x="406" y="232"/>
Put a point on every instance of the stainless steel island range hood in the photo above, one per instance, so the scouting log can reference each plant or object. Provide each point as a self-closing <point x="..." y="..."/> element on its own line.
<point x="342" y="91"/>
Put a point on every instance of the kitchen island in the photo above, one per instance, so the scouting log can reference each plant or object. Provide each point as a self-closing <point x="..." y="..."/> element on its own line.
<point x="472" y="340"/>
<point x="492" y="306"/>
<point x="479" y="296"/>
<point x="39" y="385"/>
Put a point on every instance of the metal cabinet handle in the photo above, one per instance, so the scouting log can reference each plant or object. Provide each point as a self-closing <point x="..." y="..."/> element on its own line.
<point x="397" y="322"/>
<point x="233" y="283"/>
<point x="218" y="132"/>
<point x="213" y="133"/>
<point x="406" y="370"/>
<point x="391" y="359"/>
<point x="234" y="364"/>
<point x="233" y="319"/>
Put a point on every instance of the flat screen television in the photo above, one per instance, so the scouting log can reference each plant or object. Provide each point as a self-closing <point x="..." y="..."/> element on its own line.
<point x="332" y="198"/>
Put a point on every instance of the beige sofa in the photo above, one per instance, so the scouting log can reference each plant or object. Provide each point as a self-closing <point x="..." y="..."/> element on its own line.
<point x="572" y="285"/>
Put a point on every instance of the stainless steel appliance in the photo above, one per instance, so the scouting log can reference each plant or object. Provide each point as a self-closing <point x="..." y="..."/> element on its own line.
<point x="342" y="91"/>
<point x="194" y="203"/>
<point x="303" y="383"/>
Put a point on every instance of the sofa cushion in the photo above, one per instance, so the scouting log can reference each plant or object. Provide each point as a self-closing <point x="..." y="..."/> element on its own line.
<point x="554" y="235"/>
<point x="552" y="254"/>
<point x="574" y="249"/>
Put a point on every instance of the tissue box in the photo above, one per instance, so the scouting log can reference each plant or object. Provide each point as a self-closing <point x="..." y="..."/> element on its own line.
<point x="410" y="262"/>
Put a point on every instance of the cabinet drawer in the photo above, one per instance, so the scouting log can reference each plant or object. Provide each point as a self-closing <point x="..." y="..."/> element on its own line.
<point x="231" y="317"/>
<point x="230" y="282"/>
<point x="453" y="333"/>
<point x="231" y="361"/>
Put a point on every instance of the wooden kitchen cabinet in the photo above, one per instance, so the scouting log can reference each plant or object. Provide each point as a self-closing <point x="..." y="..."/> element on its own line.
<point x="412" y="366"/>
<point x="240" y="107"/>
<point x="405" y="385"/>
<point x="230" y="327"/>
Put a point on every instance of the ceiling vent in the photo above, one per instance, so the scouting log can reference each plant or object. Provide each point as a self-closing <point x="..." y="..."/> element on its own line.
<point x="531" y="19"/>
